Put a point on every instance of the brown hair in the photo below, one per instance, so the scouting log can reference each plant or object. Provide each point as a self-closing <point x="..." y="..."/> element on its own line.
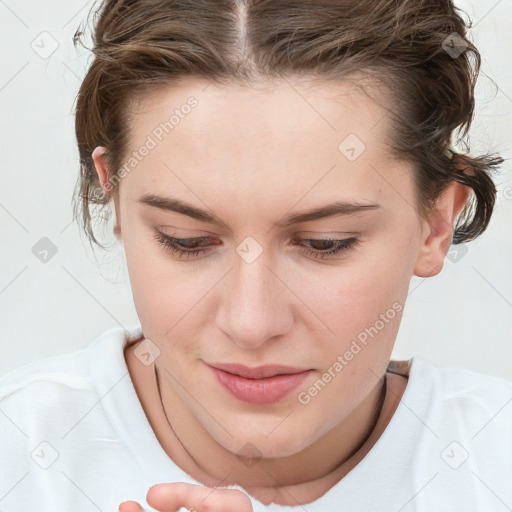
<point x="418" y="46"/>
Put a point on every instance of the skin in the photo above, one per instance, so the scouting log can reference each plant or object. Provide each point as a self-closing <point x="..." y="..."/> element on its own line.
<point x="251" y="157"/>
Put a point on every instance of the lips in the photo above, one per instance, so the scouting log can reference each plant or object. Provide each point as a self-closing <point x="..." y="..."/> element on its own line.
<point x="259" y="372"/>
<point x="262" y="385"/>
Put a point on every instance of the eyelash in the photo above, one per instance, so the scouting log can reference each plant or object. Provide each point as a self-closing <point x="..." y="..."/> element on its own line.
<point x="172" y="244"/>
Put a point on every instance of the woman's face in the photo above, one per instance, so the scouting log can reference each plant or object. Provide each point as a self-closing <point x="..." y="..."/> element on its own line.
<point x="249" y="165"/>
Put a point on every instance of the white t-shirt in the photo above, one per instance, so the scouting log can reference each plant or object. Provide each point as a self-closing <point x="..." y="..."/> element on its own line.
<point x="74" y="438"/>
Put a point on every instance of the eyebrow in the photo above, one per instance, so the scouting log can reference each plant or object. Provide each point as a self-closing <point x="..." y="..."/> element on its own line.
<point x="330" y="210"/>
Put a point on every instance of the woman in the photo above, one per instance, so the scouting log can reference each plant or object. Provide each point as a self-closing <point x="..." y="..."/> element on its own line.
<point x="278" y="172"/>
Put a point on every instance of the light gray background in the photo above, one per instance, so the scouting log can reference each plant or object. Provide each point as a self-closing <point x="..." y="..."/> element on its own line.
<point x="463" y="317"/>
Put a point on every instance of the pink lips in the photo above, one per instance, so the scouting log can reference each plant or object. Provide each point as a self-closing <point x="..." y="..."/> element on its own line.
<point x="260" y="386"/>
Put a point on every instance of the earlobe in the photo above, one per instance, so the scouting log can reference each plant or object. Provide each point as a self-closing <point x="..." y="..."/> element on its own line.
<point x="436" y="242"/>
<point x="117" y="225"/>
<point x="434" y="247"/>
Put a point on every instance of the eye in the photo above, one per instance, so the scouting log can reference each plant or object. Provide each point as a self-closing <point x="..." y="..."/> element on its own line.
<point x="182" y="246"/>
<point x="328" y="246"/>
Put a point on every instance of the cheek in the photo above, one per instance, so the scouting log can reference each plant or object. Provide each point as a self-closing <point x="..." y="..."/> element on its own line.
<point x="155" y="285"/>
<point x="364" y="310"/>
<point x="361" y="304"/>
<point x="169" y="296"/>
<point x="357" y="296"/>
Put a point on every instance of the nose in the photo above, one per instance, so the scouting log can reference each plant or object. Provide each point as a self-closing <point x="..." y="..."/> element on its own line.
<point x="256" y="306"/>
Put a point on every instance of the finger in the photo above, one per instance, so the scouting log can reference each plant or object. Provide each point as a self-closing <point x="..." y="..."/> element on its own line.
<point x="130" y="506"/>
<point x="170" y="497"/>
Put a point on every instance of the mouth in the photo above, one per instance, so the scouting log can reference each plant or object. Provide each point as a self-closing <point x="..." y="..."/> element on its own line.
<point x="258" y="372"/>
<point x="262" y="385"/>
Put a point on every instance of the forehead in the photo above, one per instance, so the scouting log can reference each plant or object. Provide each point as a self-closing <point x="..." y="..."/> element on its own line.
<point x="283" y="135"/>
<point x="283" y="109"/>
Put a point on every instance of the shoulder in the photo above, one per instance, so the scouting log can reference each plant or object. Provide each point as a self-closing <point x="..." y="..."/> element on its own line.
<point x="454" y="384"/>
<point x="463" y="435"/>
<point x="61" y="394"/>
<point x="460" y="389"/>
<point x="36" y="376"/>
<point x="36" y="400"/>
<point x="44" y="380"/>
<point x="464" y="404"/>
<point x="451" y="385"/>
<point x="55" y="412"/>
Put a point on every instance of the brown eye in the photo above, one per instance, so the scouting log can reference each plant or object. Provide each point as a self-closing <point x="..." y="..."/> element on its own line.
<point x="326" y="247"/>
<point x="182" y="246"/>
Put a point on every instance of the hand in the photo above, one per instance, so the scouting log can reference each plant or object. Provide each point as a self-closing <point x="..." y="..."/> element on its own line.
<point x="170" y="497"/>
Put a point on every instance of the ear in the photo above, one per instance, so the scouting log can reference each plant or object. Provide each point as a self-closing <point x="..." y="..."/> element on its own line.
<point x="101" y="166"/>
<point x="438" y="230"/>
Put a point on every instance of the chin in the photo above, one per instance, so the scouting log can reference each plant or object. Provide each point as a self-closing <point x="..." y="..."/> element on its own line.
<point x="258" y="444"/>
